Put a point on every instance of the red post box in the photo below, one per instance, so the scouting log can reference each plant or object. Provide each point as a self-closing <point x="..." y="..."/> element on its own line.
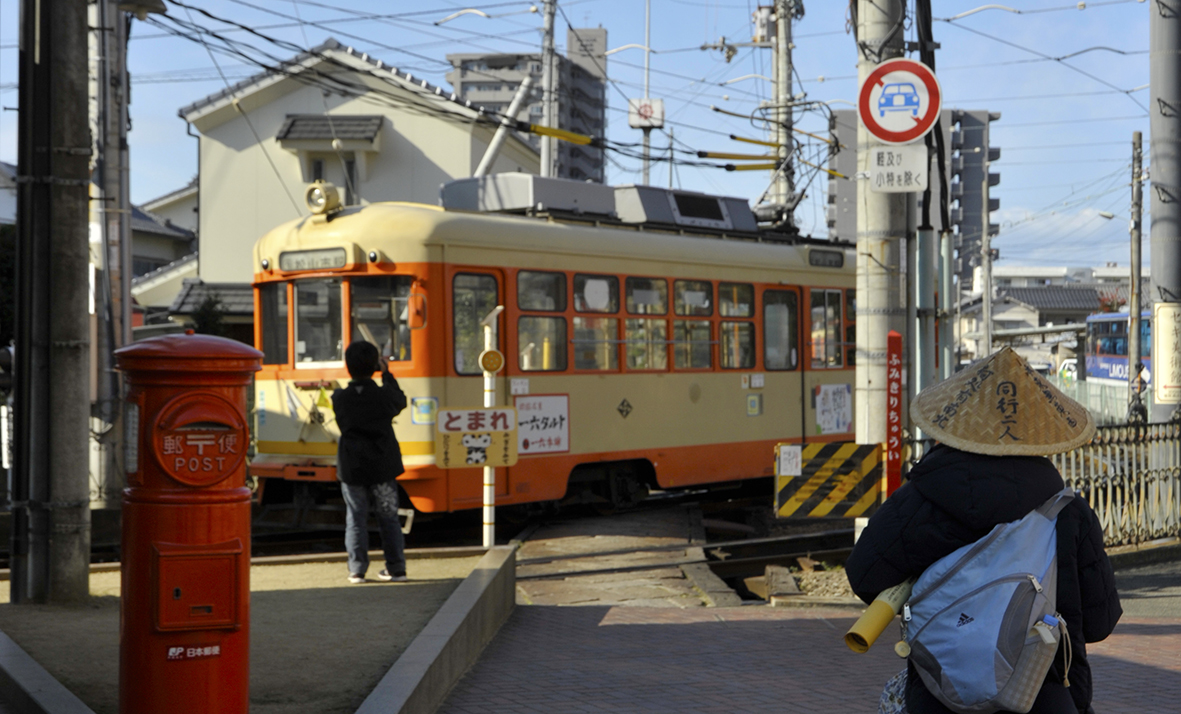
<point x="184" y="639"/>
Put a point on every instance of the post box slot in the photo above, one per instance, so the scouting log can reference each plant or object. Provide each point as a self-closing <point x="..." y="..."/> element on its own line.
<point x="197" y="586"/>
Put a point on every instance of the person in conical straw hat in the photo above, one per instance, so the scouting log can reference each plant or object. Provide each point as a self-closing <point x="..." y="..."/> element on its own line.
<point x="995" y="421"/>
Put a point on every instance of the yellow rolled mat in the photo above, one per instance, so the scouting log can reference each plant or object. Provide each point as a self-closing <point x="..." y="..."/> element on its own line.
<point x="877" y="617"/>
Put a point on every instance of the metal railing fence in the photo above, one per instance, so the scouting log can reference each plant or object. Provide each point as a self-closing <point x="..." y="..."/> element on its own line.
<point x="1131" y="476"/>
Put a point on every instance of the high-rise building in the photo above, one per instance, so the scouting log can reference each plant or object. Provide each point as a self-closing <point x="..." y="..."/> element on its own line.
<point x="580" y="85"/>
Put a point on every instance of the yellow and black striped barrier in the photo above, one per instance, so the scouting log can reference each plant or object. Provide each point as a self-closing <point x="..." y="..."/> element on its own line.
<point x="837" y="479"/>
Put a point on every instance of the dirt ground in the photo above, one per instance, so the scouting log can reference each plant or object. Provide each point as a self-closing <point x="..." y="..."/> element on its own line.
<point x="318" y="645"/>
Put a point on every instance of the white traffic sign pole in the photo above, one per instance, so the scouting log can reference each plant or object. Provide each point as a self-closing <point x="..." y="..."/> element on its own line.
<point x="489" y="324"/>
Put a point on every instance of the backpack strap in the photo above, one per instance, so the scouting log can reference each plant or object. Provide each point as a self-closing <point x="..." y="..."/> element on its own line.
<point x="1054" y="505"/>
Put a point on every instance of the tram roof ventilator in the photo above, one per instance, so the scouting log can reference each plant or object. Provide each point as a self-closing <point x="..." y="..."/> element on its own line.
<point x="527" y="194"/>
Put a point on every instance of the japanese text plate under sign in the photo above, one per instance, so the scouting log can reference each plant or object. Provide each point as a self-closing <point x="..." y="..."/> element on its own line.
<point x="1166" y="353"/>
<point x="898" y="169"/>
<point x="899" y="101"/>
<point x="476" y="437"/>
<point x="545" y="423"/>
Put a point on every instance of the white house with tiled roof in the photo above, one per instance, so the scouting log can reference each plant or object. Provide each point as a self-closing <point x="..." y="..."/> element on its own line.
<point x="378" y="133"/>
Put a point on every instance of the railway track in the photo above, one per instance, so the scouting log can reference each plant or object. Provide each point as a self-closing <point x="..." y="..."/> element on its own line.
<point x="727" y="559"/>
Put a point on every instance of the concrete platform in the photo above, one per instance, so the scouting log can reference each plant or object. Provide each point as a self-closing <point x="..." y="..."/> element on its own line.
<point x="318" y="644"/>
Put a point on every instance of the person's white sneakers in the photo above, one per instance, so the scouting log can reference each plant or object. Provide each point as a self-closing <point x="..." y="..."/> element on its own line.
<point x="358" y="579"/>
<point x="385" y="576"/>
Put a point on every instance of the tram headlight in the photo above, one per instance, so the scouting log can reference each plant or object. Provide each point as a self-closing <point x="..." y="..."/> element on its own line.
<point x="322" y="197"/>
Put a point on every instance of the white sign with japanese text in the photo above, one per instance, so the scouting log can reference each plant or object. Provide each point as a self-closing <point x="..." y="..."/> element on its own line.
<point x="544" y="426"/>
<point x="898" y="169"/>
<point x="1166" y="353"/>
<point x="834" y="408"/>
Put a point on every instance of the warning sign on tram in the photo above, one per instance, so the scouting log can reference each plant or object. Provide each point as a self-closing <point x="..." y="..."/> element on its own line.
<point x="899" y="101"/>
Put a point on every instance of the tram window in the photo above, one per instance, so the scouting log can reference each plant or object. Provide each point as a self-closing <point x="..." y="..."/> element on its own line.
<point x="541" y="291"/>
<point x="827" y="329"/>
<point x="647" y="296"/>
<point x="542" y="343"/>
<point x="596" y="341"/>
<point x="780" y="330"/>
<point x="474" y="297"/>
<point x="647" y="344"/>
<point x="273" y="297"/>
<point x="736" y="300"/>
<point x="737" y="345"/>
<point x="381" y="314"/>
<point x="691" y="345"/>
<point x="850" y="327"/>
<point x="693" y="297"/>
<point x="318" y="320"/>
<point x="596" y="293"/>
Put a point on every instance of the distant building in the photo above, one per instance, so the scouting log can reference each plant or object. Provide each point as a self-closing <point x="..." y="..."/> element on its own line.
<point x="491" y="81"/>
<point x="333" y="113"/>
<point x="177" y="208"/>
<point x="7" y="194"/>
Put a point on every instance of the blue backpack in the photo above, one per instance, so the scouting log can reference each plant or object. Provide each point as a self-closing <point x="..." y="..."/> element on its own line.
<point x="981" y="622"/>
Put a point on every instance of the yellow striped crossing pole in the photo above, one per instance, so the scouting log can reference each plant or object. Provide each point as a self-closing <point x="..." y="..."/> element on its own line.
<point x="491" y="361"/>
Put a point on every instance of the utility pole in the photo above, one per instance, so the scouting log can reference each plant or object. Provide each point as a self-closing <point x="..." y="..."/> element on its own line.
<point x="1137" y="414"/>
<point x="881" y="226"/>
<point x="111" y="217"/>
<point x="782" y="136"/>
<point x="647" y="58"/>
<point x="549" y="110"/>
<point x="1164" y="77"/>
<point x="670" y="157"/>
<point x="51" y="524"/>
<point x="985" y="264"/>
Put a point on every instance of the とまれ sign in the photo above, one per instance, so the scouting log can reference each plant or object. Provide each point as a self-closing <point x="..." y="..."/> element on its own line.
<point x="466" y="438"/>
<point x="900" y="101"/>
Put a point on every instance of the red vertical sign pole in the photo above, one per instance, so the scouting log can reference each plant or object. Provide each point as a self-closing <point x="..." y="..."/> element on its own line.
<point x="893" y="475"/>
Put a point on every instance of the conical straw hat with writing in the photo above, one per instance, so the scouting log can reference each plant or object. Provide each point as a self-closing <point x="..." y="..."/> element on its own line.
<point x="1001" y="406"/>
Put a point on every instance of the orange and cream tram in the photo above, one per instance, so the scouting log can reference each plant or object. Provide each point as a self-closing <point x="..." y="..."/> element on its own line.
<point x="665" y="344"/>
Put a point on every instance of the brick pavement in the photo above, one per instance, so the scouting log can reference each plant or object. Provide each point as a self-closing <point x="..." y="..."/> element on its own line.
<point x="755" y="658"/>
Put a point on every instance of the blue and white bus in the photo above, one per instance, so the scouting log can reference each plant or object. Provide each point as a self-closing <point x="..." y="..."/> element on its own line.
<point x="1107" y="348"/>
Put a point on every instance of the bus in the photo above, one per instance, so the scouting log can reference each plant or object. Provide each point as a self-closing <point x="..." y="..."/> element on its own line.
<point x="1107" y="348"/>
<point x="640" y="355"/>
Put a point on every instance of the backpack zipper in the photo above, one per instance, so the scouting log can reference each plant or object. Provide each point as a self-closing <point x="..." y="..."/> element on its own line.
<point x="1008" y="578"/>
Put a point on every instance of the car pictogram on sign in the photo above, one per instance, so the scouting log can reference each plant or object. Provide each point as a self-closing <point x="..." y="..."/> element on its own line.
<point x="899" y="97"/>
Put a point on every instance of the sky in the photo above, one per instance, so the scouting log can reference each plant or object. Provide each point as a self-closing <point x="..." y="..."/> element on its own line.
<point x="1070" y="84"/>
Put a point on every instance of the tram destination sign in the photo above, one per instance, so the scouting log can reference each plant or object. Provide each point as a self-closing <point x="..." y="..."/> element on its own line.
<point x="322" y="259"/>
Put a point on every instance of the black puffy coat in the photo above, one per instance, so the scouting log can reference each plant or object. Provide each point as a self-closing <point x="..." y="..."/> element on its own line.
<point x="954" y="498"/>
<point x="368" y="452"/>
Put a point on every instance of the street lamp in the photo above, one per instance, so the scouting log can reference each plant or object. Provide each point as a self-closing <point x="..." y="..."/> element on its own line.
<point x="473" y="11"/>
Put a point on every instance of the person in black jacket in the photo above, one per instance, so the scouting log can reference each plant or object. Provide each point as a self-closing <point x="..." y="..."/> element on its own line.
<point x="996" y="421"/>
<point x="368" y="459"/>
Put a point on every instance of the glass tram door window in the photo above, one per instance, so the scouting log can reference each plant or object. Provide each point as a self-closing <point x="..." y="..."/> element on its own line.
<point x="474" y="296"/>
<point x="381" y="314"/>
<point x="780" y="330"/>
<point x="647" y="340"/>
<point x="273" y="297"/>
<point x="318" y="321"/>
<point x="827" y="328"/>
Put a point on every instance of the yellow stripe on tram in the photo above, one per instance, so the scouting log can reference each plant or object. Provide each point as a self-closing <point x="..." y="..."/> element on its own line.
<point x="805" y="492"/>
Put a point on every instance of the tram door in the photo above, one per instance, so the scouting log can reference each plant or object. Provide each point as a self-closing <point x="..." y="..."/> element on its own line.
<point x="474" y="294"/>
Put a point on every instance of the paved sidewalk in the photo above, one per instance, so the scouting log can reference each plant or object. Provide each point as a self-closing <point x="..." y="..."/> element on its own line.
<point x="753" y="658"/>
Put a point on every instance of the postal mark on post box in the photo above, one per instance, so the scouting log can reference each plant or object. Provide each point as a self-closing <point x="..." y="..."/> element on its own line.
<point x="199" y="438"/>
